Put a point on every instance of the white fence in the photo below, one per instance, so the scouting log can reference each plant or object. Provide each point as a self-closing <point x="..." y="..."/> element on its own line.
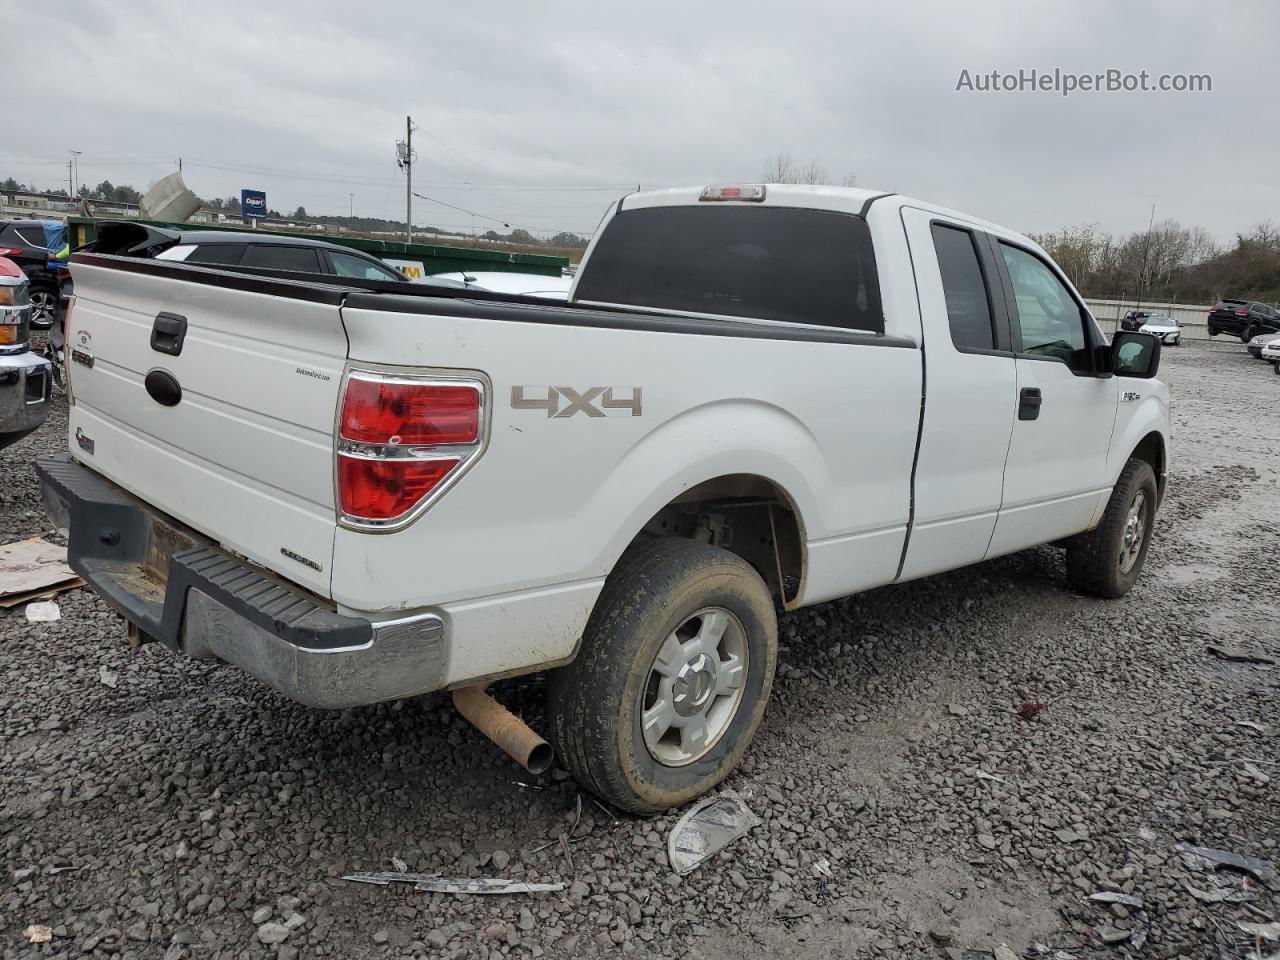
<point x="1193" y="319"/>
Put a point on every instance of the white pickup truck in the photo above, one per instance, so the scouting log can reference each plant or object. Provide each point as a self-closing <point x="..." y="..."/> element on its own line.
<point x="756" y="398"/>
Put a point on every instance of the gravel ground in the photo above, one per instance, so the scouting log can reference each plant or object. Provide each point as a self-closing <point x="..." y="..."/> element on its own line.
<point x="908" y="808"/>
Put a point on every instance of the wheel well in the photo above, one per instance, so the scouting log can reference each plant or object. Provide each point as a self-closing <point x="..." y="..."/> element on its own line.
<point x="746" y="515"/>
<point x="1151" y="449"/>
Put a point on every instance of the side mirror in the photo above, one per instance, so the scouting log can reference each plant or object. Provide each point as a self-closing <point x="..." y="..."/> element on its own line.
<point x="1135" y="355"/>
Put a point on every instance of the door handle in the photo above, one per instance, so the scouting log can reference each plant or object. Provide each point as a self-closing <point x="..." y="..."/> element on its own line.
<point x="167" y="333"/>
<point x="1029" y="400"/>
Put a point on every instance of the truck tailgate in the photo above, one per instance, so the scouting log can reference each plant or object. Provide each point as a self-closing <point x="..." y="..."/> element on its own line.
<point x="246" y="454"/>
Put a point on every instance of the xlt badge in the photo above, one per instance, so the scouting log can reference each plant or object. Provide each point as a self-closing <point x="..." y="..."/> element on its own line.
<point x="301" y="559"/>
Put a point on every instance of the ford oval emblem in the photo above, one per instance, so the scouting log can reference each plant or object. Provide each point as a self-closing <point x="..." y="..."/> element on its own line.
<point x="163" y="387"/>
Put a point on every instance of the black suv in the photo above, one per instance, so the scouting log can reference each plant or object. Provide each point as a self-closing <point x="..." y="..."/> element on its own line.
<point x="255" y="251"/>
<point x="1243" y="318"/>
<point x="23" y="242"/>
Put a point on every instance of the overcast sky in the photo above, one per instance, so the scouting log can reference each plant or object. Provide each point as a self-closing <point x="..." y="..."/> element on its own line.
<point x="524" y="109"/>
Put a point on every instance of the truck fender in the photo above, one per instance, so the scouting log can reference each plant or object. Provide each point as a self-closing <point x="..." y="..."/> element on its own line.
<point x="717" y="439"/>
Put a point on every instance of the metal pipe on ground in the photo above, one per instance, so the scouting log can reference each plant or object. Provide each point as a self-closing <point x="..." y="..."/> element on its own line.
<point x="504" y="728"/>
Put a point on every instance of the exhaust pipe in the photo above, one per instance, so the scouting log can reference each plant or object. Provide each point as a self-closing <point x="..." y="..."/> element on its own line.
<point x="504" y="728"/>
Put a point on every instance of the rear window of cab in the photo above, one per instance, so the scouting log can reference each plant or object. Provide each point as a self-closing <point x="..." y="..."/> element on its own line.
<point x="755" y="262"/>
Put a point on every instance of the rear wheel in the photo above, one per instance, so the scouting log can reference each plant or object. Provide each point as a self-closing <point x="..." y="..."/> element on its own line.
<point x="1106" y="561"/>
<point x="1247" y="335"/>
<point x="672" y="677"/>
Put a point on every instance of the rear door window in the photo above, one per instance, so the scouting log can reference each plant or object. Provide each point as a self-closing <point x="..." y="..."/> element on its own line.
<point x="968" y="307"/>
<point x="276" y="256"/>
<point x="216" y="253"/>
<point x="760" y="262"/>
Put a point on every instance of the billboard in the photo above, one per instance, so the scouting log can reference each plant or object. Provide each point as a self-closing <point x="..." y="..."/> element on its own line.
<point x="413" y="269"/>
<point x="253" y="203"/>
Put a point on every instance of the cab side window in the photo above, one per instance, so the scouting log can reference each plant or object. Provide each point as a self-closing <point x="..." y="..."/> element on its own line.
<point x="968" y="308"/>
<point x="1049" y="318"/>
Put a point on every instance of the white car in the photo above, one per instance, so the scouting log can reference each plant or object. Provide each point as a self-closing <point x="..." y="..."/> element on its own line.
<point x="521" y="284"/>
<point x="358" y="495"/>
<point x="1164" y="327"/>
<point x="1271" y="352"/>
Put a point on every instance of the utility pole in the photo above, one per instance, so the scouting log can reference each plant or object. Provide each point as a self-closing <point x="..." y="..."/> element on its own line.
<point x="70" y="191"/>
<point x="351" y="205"/>
<point x="1143" y="285"/>
<point x="75" y="179"/>
<point x="408" y="179"/>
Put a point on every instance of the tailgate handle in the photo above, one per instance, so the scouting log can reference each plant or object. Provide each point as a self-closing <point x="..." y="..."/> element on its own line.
<point x="167" y="333"/>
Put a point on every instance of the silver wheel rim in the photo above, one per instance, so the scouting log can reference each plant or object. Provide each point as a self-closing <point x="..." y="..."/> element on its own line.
<point x="42" y="307"/>
<point x="1135" y="531"/>
<point x="694" y="687"/>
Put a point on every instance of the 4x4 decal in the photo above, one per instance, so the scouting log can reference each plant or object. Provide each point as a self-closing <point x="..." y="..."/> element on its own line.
<point x="564" y="402"/>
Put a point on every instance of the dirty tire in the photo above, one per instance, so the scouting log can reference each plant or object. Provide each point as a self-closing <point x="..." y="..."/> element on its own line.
<point x="594" y="703"/>
<point x="1094" y="558"/>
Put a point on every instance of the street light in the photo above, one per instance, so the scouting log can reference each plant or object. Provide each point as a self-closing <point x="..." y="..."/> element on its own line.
<point x="75" y="157"/>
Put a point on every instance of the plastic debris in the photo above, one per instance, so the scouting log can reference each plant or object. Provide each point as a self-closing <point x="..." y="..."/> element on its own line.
<point x="399" y="864"/>
<point x="1267" y="931"/>
<point x="1251" y="725"/>
<point x="983" y="775"/>
<point x="1029" y="710"/>
<point x="1254" y="772"/>
<point x="382" y="879"/>
<point x="1108" y="896"/>
<point x="822" y="868"/>
<point x="434" y="883"/>
<point x="706" y="828"/>
<point x="38" y="933"/>
<point x="108" y="677"/>
<point x="1197" y="857"/>
<point x="1218" y="896"/>
<point x="1238" y="654"/>
<point x="43" y="611"/>
<point x="486" y="886"/>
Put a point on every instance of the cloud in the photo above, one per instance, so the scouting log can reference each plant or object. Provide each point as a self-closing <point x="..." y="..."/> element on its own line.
<point x="306" y="101"/>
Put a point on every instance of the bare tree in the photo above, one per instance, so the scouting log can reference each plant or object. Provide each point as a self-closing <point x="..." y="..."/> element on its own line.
<point x="781" y="168"/>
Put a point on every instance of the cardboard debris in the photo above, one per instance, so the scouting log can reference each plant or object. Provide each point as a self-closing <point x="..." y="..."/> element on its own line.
<point x="38" y="933"/>
<point x="34" y="570"/>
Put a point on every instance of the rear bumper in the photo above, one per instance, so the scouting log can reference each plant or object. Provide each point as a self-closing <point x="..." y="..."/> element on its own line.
<point x="25" y="382"/>
<point x="182" y="590"/>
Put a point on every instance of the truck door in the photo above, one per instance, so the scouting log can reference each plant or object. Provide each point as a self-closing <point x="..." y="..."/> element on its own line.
<point x="1056" y="475"/>
<point x="969" y="396"/>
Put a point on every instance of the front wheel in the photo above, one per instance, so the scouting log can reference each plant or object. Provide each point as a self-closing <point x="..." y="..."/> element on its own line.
<point x="44" y="307"/>
<point x="672" y="677"/>
<point x="1106" y="561"/>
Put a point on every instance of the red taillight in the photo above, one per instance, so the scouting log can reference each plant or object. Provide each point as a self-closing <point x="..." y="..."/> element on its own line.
<point x="386" y="489"/>
<point x="400" y="440"/>
<point x="410" y="413"/>
<point x="1242" y="313"/>
<point x="10" y="252"/>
